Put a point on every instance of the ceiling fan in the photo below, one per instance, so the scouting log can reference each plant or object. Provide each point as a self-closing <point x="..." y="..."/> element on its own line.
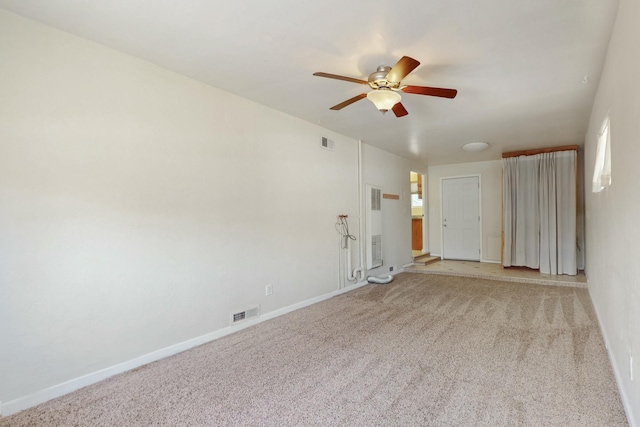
<point x="386" y="82"/>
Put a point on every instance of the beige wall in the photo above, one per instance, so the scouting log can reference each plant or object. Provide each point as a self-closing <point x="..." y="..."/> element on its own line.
<point x="612" y="232"/>
<point x="140" y="207"/>
<point x="491" y="199"/>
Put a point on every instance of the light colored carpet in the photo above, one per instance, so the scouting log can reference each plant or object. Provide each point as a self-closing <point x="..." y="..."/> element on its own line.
<point x="424" y="350"/>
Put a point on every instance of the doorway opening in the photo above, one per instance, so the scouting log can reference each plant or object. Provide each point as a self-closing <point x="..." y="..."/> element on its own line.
<point x="417" y="214"/>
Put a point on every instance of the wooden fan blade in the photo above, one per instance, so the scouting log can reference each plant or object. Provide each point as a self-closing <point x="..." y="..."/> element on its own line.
<point x="399" y="110"/>
<point x="337" y="77"/>
<point x="401" y="69"/>
<point x="349" y="102"/>
<point x="432" y="91"/>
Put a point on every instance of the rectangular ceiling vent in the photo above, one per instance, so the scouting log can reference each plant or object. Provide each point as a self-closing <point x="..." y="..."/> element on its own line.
<point x="327" y="144"/>
<point x="243" y="315"/>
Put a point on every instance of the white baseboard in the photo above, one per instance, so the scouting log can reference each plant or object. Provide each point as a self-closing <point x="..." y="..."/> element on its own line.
<point x="628" y="409"/>
<point x="41" y="396"/>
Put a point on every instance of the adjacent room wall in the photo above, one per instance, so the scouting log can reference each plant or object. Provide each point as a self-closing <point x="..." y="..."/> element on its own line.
<point x="140" y="207"/>
<point x="392" y="174"/>
<point x="491" y="200"/>
<point x="612" y="232"/>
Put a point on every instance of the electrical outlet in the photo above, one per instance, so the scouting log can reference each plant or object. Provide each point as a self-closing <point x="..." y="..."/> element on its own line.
<point x="392" y="268"/>
<point x="268" y="290"/>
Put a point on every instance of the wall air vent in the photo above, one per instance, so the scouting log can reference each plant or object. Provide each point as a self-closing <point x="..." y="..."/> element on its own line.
<point x="240" y="316"/>
<point x="326" y="143"/>
<point x="373" y="226"/>
<point x="375" y="199"/>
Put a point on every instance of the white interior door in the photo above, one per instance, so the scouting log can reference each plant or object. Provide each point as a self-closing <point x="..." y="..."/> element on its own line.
<point x="461" y="218"/>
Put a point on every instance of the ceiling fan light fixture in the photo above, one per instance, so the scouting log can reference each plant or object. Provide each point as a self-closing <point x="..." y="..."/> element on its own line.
<point x="386" y="82"/>
<point x="384" y="99"/>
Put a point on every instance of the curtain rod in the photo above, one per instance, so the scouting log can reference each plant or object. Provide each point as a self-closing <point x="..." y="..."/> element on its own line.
<point x="539" y="151"/>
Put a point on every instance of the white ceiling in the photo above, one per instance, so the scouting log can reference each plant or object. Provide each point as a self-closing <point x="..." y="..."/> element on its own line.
<point x="518" y="65"/>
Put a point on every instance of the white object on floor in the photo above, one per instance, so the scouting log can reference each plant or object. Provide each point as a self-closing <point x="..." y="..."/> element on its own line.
<point x="380" y="280"/>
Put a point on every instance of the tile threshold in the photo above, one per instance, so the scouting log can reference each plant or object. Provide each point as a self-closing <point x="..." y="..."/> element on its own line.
<point x="540" y="281"/>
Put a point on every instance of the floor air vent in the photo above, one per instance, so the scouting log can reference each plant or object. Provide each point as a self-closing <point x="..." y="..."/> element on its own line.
<point x="245" y="314"/>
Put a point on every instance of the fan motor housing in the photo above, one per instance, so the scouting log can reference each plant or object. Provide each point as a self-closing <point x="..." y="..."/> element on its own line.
<point x="378" y="79"/>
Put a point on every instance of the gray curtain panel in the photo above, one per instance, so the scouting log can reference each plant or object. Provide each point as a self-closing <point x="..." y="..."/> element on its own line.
<point x="539" y="194"/>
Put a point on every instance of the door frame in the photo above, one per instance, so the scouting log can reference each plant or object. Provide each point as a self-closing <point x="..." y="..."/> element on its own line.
<point x="479" y="176"/>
